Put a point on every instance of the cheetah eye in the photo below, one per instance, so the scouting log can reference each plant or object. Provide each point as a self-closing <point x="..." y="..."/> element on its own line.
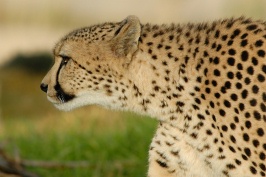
<point x="65" y="59"/>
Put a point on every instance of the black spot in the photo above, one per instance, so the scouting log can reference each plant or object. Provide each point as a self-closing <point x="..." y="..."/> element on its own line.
<point x="244" y="157"/>
<point x="216" y="60"/>
<point x="166" y="78"/>
<point x="244" y="55"/>
<point x="229" y="24"/>
<point x="241" y="106"/>
<point x="217" y="34"/>
<point x="235" y="33"/>
<point x="213" y="45"/>
<point x="164" y="63"/>
<point x="261" y="78"/>
<point x="244" y="43"/>
<point x="217" y="95"/>
<point x="248" y="124"/>
<point x="197" y="41"/>
<point x="219" y="46"/>
<point x="149" y="43"/>
<point x="239" y="75"/>
<point x="233" y="126"/>
<point x="232" y="138"/>
<point x="234" y="97"/>
<point x="244" y="35"/>
<point x="211" y="104"/>
<point x="224" y="128"/>
<point x="230" y="166"/>
<point x="247" y="152"/>
<point x="197" y="101"/>
<point x="214" y="83"/>
<point x="167" y="47"/>
<point x="247" y="115"/>
<point x="260" y="131"/>
<point x="253" y="170"/>
<point x="238" y="162"/>
<point x="262" y="156"/>
<point x="195" y="107"/>
<point x="159" y="46"/>
<point x="230" y="42"/>
<point x="181" y="48"/>
<point x="227" y="103"/>
<point x="264" y="96"/>
<point x="236" y="119"/>
<point x="239" y="66"/>
<point x="254" y="61"/>
<point x="264" y="68"/>
<point x="255" y="89"/>
<point x="251" y="27"/>
<point x="250" y="70"/>
<point x="205" y="71"/>
<point x="170" y="55"/>
<point x="247" y="81"/>
<point x="216" y="72"/>
<point x="203" y="96"/>
<point x="156" y="88"/>
<point x="197" y="89"/>
<point x="263" y="167"/>
<point x="201" y="117"/>
<point x="256" y="143"/>
<point x="208" y="90"/>
<point x="238" y="85"/>
<point x="230" y="75"/>
<point x="257" y="115"/>
<point x="223" y="89"/>
<point x="171" y="37"/>
<point x="253" y="102"/>
<point x="231" y="61"/>
<point x="180" y="104"/>
<point x="162" y="164"/>
<point x="246" y="137"/>
<point x="222" y="112"/>
<point x="199" y="79"/>
<point x="224" y="37"/>
<point x="231" y="51"/>
<point x="258" y="43"/>
<point x="208" y="132"/>
<point x="244" y="94"/>
<point x="263" y="107"/>
<point x="154" y="57"/>
<point x="261" y="53"/>
<point x="232" y="149"/>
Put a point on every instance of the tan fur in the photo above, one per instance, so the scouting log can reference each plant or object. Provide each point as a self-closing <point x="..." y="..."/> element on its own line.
<point x="205" y="83"/>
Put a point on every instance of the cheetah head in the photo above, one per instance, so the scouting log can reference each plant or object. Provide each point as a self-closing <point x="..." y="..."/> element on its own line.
<point x="89" y="62"/>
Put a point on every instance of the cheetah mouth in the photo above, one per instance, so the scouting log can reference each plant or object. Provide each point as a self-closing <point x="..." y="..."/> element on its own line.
<point x="61" y="95"/>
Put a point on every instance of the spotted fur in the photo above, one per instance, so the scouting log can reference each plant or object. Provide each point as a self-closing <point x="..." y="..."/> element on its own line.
<point x="204" y="82"/>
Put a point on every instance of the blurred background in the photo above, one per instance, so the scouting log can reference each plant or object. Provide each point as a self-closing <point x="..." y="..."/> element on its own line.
<point x="111" y="143"/>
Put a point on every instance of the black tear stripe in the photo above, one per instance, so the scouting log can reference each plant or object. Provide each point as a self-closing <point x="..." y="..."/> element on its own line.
<point x="60" y="94"/>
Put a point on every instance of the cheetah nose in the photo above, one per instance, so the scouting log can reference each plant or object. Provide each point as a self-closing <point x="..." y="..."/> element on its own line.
<point x="44" y="87"/>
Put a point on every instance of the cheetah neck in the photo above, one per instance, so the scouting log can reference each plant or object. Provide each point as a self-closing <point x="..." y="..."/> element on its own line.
<point x="161" y="74"/>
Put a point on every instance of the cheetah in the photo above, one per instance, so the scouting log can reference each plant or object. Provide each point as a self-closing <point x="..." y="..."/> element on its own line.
<point x="203" y="82"/>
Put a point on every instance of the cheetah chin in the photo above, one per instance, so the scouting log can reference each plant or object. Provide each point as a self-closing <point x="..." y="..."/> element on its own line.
<point x="80" y="101"/>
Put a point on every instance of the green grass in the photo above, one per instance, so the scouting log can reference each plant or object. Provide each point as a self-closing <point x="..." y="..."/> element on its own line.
<point x="115" y="144"/>
<point x="111" y="151"/>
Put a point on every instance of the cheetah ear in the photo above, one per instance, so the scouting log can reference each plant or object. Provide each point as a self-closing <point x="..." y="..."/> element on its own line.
<point x="125" y="41"/>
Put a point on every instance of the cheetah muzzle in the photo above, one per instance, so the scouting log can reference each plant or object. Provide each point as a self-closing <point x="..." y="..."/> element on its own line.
<point x="204" y="83"/>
